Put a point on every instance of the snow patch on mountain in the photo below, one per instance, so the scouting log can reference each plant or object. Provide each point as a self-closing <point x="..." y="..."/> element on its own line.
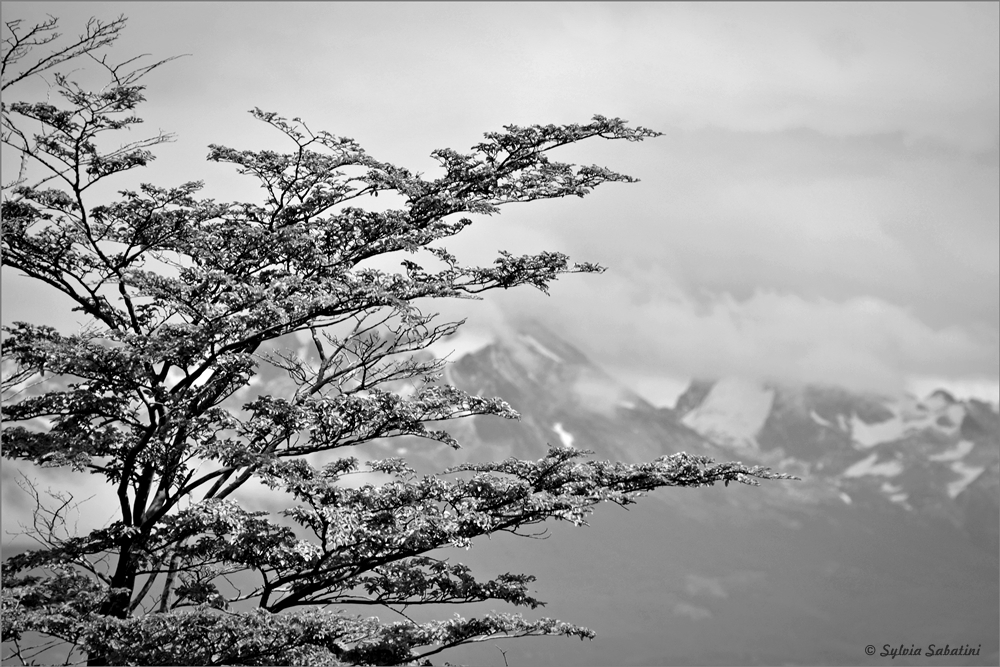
<point x="868" y="435"/>
<point x="819" y="420"/>
<point x="890" y="488"/>
<point x="900" y="498"/>
<point x="895" y="494"/>
<point x="565" y="436"/>
<point x="733" y="411"/>
<point x="870" y="466"/>
<point x="529" y="357"/>
<point x="908" y="416"/>
<point x="939" y="400"/>
<point x="955" y="453"/>
<point x="533" y="343"/>
<point x="968" y="475"/>
<point x="936" y="412"/>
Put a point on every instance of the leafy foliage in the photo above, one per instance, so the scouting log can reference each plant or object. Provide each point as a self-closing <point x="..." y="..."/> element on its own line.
<point x="187" y="298"/>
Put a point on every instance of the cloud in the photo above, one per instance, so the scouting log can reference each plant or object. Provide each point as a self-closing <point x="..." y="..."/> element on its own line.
<point x="864" y="261"/>
<point x="796" y="211"/>
<point x="929" y="70"/>
<point x="825" y="198"/>
<point x="861" y="343"/>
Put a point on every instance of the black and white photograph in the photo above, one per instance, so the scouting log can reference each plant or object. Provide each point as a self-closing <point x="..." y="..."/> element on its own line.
<point x="500" y="334"/>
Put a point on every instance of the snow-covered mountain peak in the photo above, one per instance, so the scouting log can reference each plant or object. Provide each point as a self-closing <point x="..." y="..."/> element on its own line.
<point x="733" y="412"/>
<point x="913" y="453"/>
<point x="939" y="399"/>
<point x="465" y="341"/>
<point x="909" y="416"/>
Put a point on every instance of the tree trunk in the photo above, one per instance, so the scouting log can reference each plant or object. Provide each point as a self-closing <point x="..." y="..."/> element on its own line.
<point x="119" y="597"/>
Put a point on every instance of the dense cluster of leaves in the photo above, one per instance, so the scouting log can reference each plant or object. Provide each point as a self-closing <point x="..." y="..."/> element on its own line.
<point x="187" y="297"/>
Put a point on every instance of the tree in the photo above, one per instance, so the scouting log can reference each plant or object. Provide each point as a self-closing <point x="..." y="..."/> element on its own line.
<point x="186" y="299"/>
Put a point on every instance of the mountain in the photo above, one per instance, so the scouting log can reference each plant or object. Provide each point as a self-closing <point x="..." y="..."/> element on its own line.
<point x="936" y="457"/>
<point x="889" y="538"/>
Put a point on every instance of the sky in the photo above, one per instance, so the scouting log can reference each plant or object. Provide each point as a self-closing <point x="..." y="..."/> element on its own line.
<point x="822" y="207"/>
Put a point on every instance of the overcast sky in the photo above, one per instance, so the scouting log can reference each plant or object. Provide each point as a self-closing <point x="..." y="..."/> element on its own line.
<point x="823" y="205"/>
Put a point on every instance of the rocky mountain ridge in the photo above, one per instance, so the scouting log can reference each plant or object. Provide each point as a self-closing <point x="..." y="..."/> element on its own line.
<point x="937" y="457"/>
